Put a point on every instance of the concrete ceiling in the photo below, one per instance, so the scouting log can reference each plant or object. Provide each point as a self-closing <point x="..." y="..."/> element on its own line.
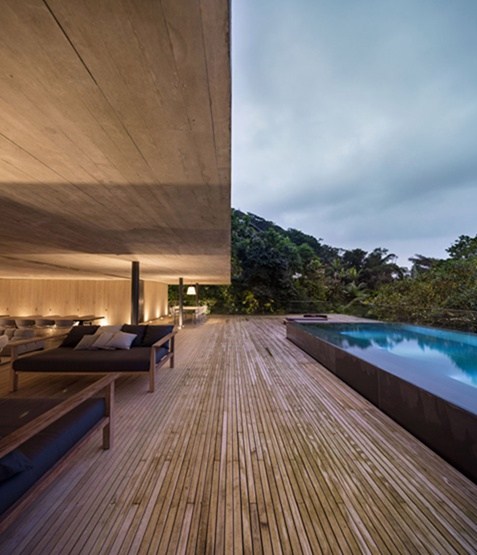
<point x="115" y="139"/>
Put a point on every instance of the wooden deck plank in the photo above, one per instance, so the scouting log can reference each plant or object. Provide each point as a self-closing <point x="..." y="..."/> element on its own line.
<point x="247" y="446"/>
<point x="305" y="456"/>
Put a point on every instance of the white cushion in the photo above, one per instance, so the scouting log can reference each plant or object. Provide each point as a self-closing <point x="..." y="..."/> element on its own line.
<point x="121" y="340"/>
<point x="102" y="340"/>
<point x="106" y="340"/>
<point x="86" y="343"/>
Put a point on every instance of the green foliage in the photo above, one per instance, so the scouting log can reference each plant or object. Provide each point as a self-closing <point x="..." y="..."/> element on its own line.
<point x="277" y="270"/>
<point x="422" y="263"/>
<point x="264" y="261"/>
<point x="464" y="248"/>
<point x="443" y="295"/>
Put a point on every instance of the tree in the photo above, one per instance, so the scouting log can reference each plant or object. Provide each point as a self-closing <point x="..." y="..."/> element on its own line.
<point x="379" y="268"/>
<point x="274" y="269"/>
<point x="324" y="252"/>
<point x="464" y="248"/>
<point x="421" y="263"/>
<point x="354" y="258"/>
<point x="443" y="295"/>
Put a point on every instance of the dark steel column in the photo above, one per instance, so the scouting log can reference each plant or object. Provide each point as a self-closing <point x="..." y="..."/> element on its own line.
<point x="181" y="302"/>
<point x="135" y="293"/>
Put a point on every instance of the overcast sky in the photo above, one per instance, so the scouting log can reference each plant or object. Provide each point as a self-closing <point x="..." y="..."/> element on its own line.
<point x="356" y="120"/>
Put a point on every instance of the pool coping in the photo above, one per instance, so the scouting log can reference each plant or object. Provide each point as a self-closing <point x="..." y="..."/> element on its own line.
<point x="449" y="430"/>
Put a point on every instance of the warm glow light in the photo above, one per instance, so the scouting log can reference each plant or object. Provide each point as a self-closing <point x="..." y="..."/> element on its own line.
<point x="191" y="290"/>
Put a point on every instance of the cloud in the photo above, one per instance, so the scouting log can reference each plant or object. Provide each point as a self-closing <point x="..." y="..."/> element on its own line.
<point x="357" y="121"/>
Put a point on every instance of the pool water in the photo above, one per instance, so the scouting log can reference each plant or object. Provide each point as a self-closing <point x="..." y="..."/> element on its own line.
<point x="439" y="352"/>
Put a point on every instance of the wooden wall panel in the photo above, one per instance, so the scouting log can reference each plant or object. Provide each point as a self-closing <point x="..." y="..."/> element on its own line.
<point x="109" y="298"/>
<point x="155" y="300"/>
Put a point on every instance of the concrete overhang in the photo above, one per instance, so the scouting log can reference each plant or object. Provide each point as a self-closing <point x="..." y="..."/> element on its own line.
<point x="115" y="139"/>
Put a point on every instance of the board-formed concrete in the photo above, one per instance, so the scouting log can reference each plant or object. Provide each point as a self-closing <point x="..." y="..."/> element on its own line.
<point x="115" y="139"/>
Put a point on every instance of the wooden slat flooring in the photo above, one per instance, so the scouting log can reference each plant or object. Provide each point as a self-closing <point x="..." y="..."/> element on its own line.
<point x="247" y="446"/>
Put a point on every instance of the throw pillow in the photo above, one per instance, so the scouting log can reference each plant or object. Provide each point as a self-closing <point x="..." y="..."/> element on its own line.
<point x="138" y="330"/>
<point x="86" y="343"/>
<point x="102" y="340"/>
<point x="13" y="463"/>
<point x="76" y="333"/>
<point x="121" y="340"/>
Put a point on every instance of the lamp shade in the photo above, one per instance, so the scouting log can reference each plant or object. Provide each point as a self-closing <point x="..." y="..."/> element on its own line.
<point x="191" y="290"/>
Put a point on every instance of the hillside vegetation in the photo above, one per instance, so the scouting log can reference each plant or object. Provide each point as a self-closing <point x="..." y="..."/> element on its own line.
<point x="277" y="271"/>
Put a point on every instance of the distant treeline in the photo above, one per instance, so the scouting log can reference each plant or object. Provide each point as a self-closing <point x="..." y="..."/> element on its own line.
<point x="279" y="271"/>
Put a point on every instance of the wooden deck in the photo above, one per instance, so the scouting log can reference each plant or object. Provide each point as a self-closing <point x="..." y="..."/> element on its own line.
<point x="247" y="446"/>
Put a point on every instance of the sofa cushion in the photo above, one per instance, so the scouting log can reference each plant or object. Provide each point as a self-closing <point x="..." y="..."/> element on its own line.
<point x="110" y="328"/>
<point x="49" y="445"/>
<point x="121" y="340"/>
<point x="138" y="330"/>
<point x="76" y="333"/>
<point x="102" y="340"/>
<point x="105" y="340"/>
<point x="13" y="463"/>
<point x="86" y="342"/>
<point x="154" y="333"/>
<point x="68" y="360"/>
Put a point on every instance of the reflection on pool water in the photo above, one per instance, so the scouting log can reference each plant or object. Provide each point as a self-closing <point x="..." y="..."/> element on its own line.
<point x="440" y="352"/>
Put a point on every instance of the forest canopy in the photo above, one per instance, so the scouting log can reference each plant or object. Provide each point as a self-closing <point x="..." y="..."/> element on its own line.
<point x="283" y="271"/>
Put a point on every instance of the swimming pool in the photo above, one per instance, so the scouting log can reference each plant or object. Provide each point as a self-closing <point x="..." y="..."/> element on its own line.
<point x="428" y="357"/>
<point x="424" y="378"/>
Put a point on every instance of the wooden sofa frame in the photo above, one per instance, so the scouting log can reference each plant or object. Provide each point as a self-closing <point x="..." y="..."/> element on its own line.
<point x="153" y="366"/>
<point x="29" y="430"/>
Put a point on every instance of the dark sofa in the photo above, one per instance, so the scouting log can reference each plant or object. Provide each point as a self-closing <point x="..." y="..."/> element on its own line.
<point x="38" y="435"/>
<point x="152" y="347"/>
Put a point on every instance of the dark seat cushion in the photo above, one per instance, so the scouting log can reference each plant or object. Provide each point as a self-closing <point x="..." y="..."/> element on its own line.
<point x="48" y="446"/>
<point x="65" y="359"/>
